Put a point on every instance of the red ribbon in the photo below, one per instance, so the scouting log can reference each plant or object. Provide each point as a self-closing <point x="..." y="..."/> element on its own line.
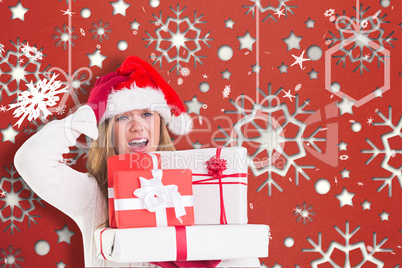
<point x="215" y="167"/>
<point x="181" y="243"/>
<point x="101" y="248"/>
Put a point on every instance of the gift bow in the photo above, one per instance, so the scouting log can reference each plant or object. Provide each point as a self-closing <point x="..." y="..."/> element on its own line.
<point x="156" y="196"/>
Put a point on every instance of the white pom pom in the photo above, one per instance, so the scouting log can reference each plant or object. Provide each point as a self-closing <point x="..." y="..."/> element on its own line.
<point x="180" y="125"/>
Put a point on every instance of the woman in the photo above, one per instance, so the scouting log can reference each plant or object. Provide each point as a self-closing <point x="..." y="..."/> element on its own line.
<point x="132" y="118"/>
<point x="132" y="108"/>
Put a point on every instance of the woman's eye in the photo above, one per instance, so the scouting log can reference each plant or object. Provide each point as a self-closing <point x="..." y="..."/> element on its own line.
<point x="122" y="117"/>
<point x="147" y="114"/>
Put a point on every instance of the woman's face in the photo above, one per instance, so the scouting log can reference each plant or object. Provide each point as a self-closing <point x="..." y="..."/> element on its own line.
<point x="137" y="131"/>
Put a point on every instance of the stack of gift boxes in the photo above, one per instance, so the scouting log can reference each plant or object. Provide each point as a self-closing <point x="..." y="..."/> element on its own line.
<point x="180" y="205"/>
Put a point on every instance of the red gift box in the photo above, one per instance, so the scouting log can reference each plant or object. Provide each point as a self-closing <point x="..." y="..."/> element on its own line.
<point x="126" y="162"/>
<point x="153" y="198"/>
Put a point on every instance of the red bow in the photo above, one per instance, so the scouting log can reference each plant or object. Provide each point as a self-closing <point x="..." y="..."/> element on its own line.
<point x="216" y="166"/>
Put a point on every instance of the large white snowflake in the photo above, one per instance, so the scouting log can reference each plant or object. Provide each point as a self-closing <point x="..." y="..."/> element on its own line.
<point x="396" y="172"/>
<point x="282" y="6"/>
<point x="361" y="38"/>
<point x="10" y="257"/>
<point x="367" y="255"/>
<point x="100" y="30"/>
<point x="64" y="35"/>
<point x="175" y="45"/>
<point x="37" y="98"/>
<point x="17" y="201"/>
<point x="13" y="69"/>
<point x="274" y="144"/>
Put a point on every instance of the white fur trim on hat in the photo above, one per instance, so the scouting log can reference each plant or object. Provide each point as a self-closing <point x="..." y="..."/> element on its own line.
<point x="127" y="99"/>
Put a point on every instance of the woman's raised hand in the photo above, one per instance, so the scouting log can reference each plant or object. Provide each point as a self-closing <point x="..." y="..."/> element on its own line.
<point x="100" y="92"/>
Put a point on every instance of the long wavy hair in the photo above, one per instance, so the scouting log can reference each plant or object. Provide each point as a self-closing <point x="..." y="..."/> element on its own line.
<point x="104" y="147"/>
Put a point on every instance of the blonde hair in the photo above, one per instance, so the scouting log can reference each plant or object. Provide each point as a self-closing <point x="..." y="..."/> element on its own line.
<point x="104" y="147"/>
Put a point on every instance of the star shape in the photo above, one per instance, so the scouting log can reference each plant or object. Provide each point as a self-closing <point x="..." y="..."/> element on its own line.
<point x="370" y="120"/>
<point x="288" y="95"/>
<point x="299" y="60"/>
<point x="67" y="12"/>
<point x="279" y="12"/>
<point x="309" y="23"/>
<point x="18" y="11"/>
<point x="194" y="105"/>
<point x="206" y="76"/>
<point x="345" y="173"/>
<point x="384" y="216"/>
<point x="366" y="204"/>
<point x="378" y="93"/>
<point x="226" y="74"/>
<point x="345" y="198"/>
<point x="283" y="68"/>
<point x="342" y="146"/>
<point x="292" y="41"/>
<point x="96" y="59"/>
<point x="345" y="106"/>
<point x="61" y="264"/>
<point x="313" y="74"/>
<point x="196" y="145"/>
<point x="256" y="68"/>
<point x="246" y="41"/>
<point x="135" y="25"/>
<point x="360" y="183"/>
<point x="64" y="234"/>
<point x="3" y="108"/>
<point x="9" y="134"/>
<point x="119" y="7"/>
<point x="229" y="23"/>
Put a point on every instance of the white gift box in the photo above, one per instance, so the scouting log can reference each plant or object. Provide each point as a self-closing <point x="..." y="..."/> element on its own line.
<point x="202" y="242"/>
<point x="207" y="203"/>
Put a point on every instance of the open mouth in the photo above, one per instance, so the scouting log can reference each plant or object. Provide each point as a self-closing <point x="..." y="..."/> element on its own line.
<point x="138" y="145"/>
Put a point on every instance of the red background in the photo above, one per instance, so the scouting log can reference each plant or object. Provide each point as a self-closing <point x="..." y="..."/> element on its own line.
<point x="277" y="209"/>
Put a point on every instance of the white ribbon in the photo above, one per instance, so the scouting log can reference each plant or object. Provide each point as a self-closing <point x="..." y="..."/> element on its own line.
<point x="155" y="197"/>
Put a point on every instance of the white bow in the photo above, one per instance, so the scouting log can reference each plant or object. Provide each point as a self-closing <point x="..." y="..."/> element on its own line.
<point x="156" y="196"/>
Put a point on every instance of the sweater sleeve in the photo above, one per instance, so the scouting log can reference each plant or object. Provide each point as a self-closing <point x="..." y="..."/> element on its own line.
<point x="39" y="162"/>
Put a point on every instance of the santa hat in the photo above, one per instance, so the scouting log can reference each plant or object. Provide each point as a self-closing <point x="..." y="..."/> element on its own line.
<point x="146" y="89"/>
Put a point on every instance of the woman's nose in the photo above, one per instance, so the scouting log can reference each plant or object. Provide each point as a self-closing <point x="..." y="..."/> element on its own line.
<point x="136" y="125"/>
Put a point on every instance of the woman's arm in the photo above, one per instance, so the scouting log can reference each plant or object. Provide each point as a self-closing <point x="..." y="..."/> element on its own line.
<point x="39" y="162"/>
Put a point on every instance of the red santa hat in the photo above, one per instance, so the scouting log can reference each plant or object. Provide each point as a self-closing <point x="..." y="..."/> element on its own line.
<point x="146" y="89"/>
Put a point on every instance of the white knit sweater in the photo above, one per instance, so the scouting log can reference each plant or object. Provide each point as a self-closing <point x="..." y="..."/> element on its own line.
<point x="39" y="162"/>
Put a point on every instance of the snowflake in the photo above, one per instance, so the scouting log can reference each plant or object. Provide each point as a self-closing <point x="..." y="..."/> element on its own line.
<point x="79" y="150"/>
<point x="78" y="81"/>
<point x="61" y="110"/>
<point x="36" y="99"/>
<point x="272" y="139"/>
<point x="36" y="126"/>
<point x="3" y="108"/>
<point x="153" y="56"/>
<point x="354" y="40"/>
<point x="364" y="24"/>
<point x="396" y="172"/>
<point x="226" y="91"/>
<point x="100" y="30"/>
<point x="10" y="257"/>
<point x="184" y="71"/>
<point x="18" y="200"/>
<point x="344" y="157"/>
<point x="17" y="72"/>
<point x="304" y="213"/>
<point x="64" y="35"/>
<point x="366" y="255"/>
<point x="69" y="161"/>
<point x="329" y="12"/>
<point x="269" y="8"/>
<point x="177" y="50"/>
<point x="31" y="52"/>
